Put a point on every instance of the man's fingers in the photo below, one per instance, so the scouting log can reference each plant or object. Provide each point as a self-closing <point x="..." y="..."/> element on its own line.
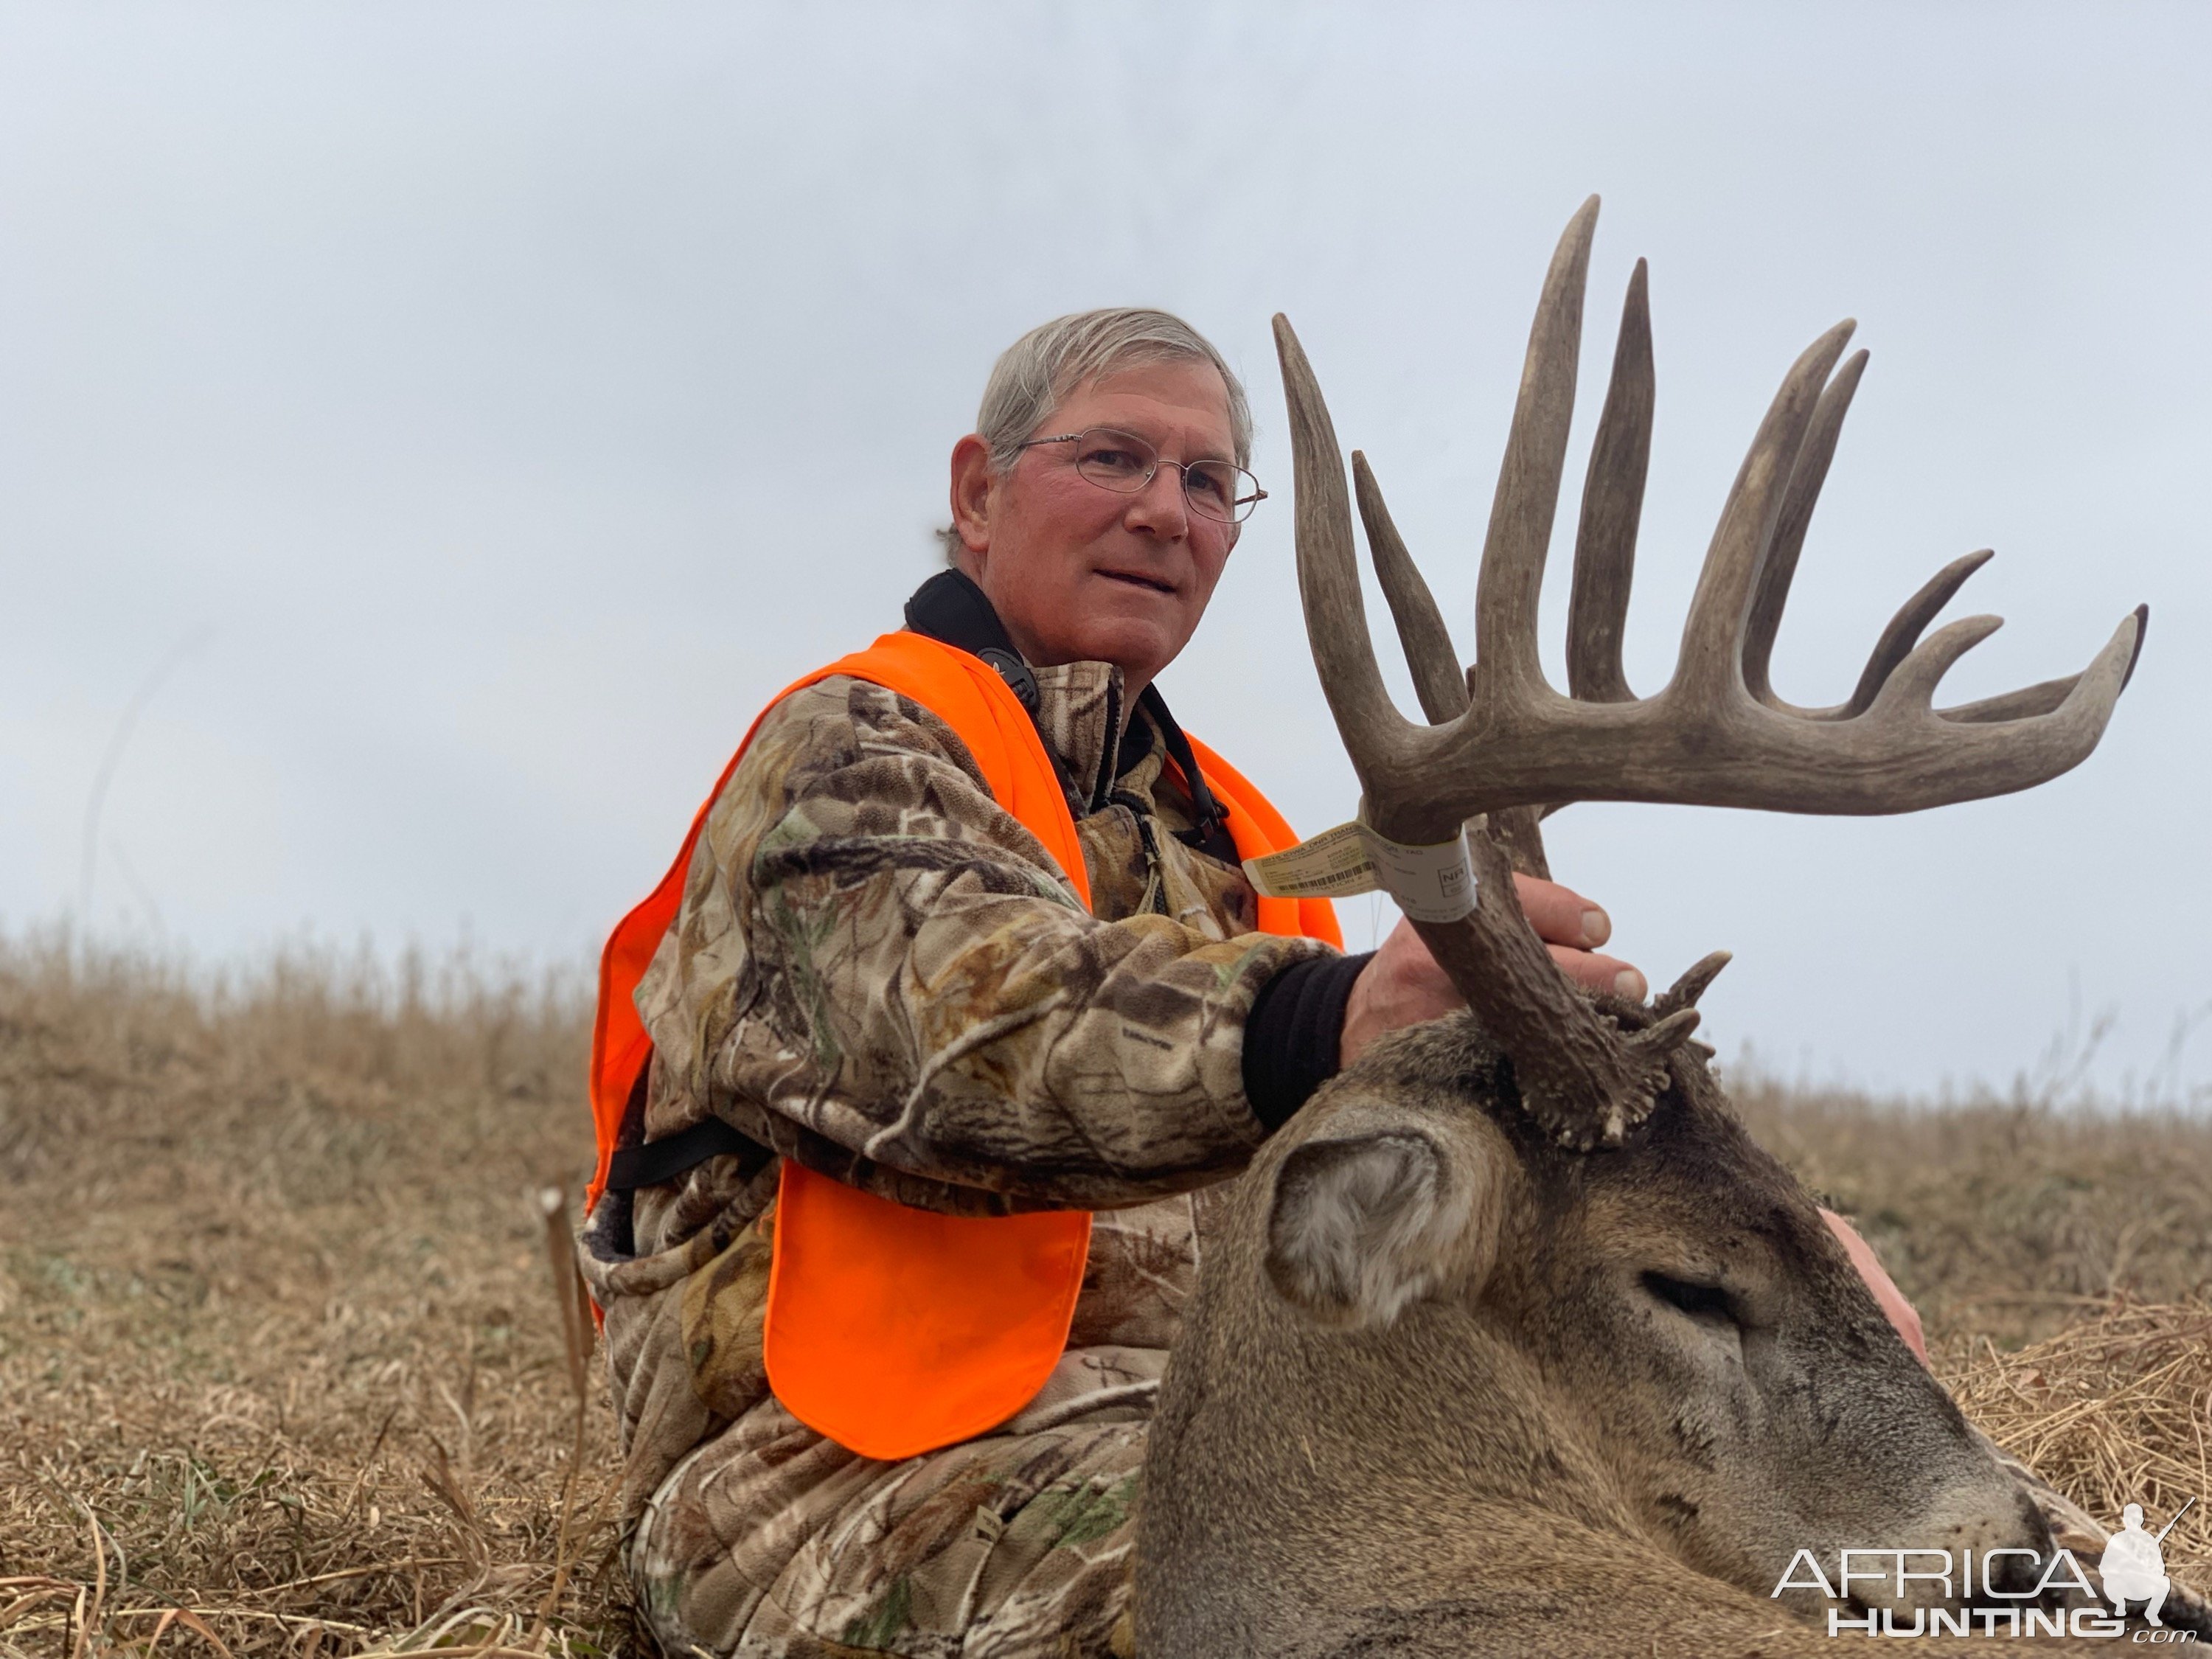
<point x="1560" y="915"/>
<point x="1571" y="928"/>
<point x="1601" y="973"/>
<point x="1554" y="910"/>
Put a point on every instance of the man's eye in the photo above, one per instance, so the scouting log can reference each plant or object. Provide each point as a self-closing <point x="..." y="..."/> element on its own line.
<point x="1112" y="461"/>
<point x="1212" y="482"/>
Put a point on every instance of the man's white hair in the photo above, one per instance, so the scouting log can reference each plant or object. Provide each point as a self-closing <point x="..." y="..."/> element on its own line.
<point x="1035" y="373"/>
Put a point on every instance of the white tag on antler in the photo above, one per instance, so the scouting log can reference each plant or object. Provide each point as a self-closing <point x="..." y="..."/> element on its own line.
<point x="1429" y="884"/>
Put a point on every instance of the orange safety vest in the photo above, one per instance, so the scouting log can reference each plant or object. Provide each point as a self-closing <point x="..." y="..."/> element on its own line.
<point x="894" y="1330"/>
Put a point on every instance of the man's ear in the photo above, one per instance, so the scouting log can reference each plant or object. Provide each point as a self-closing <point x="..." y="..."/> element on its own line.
<point x="1359" y="1226"/>
<point x="971" y="499"/>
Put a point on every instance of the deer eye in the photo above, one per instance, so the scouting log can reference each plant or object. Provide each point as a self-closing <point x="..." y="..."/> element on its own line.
<point x="1684" y="1296"/>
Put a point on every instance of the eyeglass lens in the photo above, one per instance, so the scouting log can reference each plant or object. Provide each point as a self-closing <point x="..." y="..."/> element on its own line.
<point x="1122" y="461"/>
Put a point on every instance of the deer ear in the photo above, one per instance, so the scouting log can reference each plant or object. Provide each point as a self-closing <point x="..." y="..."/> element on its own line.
<point x="1359" y="1226"/>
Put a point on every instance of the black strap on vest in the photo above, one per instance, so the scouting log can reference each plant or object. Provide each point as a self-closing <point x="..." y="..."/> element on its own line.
<point x="1209" y="836"/>
<point x="663" y="1160"/>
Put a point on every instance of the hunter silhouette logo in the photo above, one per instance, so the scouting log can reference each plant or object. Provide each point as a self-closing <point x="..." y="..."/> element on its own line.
<point x="1996" y="1592"/>
<point x="2134" y="1567"/>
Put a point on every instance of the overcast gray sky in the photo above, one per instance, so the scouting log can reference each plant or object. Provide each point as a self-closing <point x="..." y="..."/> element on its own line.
<point x="464" y="417"/>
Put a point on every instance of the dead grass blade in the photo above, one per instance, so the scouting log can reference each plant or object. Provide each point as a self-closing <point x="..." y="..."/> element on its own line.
<point x="578" y="1332"/>
<point x="192" y="1621"/>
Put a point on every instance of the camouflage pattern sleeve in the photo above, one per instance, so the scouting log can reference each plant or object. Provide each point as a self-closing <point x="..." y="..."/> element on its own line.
<point x="880" y="972"/>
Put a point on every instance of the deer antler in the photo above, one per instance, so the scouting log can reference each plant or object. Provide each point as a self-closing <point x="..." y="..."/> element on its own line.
<point x="1717" y="735"/>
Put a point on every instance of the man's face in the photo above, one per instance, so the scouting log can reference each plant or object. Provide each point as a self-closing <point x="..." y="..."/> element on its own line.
<point x="1079" y="573"/>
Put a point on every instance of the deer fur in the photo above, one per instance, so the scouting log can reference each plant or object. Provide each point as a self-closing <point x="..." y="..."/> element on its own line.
<point x="1427" y="1400"/>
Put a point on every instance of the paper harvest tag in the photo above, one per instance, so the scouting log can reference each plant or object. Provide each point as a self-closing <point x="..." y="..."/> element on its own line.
<point x="1429" y="884"/>
<point x="1331" y="865"/>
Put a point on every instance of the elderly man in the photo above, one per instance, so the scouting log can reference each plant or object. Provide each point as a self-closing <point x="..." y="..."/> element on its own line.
<point x="914" y="1076"/>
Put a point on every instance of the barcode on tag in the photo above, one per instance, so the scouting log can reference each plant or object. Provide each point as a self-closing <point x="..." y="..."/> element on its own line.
<point x="1429" y="884"/>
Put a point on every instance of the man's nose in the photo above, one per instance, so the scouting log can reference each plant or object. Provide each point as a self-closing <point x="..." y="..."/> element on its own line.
<point x="1160" y="506"/>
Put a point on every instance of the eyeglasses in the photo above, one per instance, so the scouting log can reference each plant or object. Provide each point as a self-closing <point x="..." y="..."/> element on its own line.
<point x="1124" y="463"/>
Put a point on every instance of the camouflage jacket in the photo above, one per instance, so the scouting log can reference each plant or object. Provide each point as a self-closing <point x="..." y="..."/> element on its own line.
<point x="878" y="971"/>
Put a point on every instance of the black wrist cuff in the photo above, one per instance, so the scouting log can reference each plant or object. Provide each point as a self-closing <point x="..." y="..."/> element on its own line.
<point x="1291" y="1035"/>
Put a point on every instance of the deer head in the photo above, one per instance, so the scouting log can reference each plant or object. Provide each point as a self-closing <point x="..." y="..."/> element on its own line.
<point x="1440" y="1362"/>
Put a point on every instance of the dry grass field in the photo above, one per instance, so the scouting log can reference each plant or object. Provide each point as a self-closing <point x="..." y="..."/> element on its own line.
<point x="282" y="1364"/>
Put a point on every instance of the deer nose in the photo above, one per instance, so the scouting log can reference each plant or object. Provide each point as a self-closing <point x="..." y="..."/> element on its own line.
<point x="2012" y="1576"/>
<point x="2016" y="1575"/>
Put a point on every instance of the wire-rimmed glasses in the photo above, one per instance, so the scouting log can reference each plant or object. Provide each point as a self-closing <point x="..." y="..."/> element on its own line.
<point x="1124" y="463"/>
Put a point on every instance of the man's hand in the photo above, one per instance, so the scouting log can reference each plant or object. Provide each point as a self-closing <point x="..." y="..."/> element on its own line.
<point x="1403" y="986"/>
<point x="1887" y="1296"/>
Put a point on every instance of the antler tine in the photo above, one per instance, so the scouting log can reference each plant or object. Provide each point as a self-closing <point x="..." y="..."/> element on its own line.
<point x="1613" y="505"/>
<point x="1328" y="575"/>
<point x="1710" y="674"/>
<point x="1913" y="684"/>
<point x="1433" y="658"/>
<point x="1780" y="566"/>
<point x="1437" y="679"/>
<point x="2045" y="743"/>
<point x="1684" y="992"/>
<point x="1905" y="629"/>
<point x="2043" y="698"/>
<point x="1527" y="497"/>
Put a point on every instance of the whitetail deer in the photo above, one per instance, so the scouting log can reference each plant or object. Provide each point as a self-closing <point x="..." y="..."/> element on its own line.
<point x="1513" y="1342"/>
